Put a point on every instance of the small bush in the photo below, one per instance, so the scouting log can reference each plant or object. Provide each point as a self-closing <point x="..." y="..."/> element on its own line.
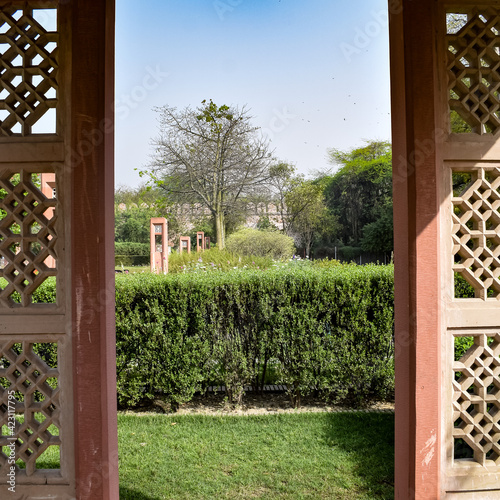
<point x="261" y="243"/>
<point x="462" y="289"/>
<point x="132" y="248"/>
<point x="214" y="260"/>
<point x="350" y="253"/>
<point x="131" y="260"/>
<point x="46" y="292"/>
<point x="326" y="263"/>
<point x="328" y="330"/>
<point x="462" y="345"/>
<point x="129" y="253"/>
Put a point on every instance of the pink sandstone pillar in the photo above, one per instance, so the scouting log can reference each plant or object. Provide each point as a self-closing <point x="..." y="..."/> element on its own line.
<point x="74" y="150"/>
<point x="185" y="244"/>
<point x="445" y="62"/>
<point x="159" y="245"/>
<point x="92" y="255"/>
<point x="417" y="244"/>
<point x="200" y="241"/>
<point x="48" y="188"/>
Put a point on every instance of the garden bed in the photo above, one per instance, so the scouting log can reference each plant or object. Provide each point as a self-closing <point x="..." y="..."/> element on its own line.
<point x="268" y="403"/>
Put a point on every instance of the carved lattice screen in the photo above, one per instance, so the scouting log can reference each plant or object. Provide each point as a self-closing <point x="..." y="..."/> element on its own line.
<point x="28" y="236"/>
<point x="473" y="63"/>
<point x="36" y="409"/>
<point x="476" y="230"/>
<point x="471" y="263"/>
<point x="29" y="68"/>
<point x="29" y="378"/>
<point x="476" y="401"/>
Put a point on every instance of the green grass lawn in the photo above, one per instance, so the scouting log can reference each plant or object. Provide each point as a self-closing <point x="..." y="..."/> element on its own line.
<point x="287" y="456"/>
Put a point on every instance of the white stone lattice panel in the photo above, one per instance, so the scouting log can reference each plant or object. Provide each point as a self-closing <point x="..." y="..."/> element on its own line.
<point x="476" y="399"/>
<point x="474" y="70"/>
<point x="476" y="232"/>
<point x="28" y="71"/>
<point x="27" y="238"/>
<point x="29" y="392"/>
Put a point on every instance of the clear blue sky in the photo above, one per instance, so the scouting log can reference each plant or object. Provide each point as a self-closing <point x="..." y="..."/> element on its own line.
<point x="314" y="73"/>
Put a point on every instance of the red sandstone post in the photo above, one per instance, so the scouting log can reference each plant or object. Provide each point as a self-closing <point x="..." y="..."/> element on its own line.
<point x="159" y="245"/>
<point x="416" y="185"/>
<point x="92" y="246"/>
<point x="200" y="241"/>
<point x="185" y="244"/>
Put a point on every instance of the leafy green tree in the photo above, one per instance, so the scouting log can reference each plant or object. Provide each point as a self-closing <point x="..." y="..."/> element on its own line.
<point x="282" y="179"/>
<point x="458" y="124"/>
<point x="360" y="194"/>
<point x="301" y="206"/>
<point x="250" y="241"/>
<point x="378" y="236"/>
<point x="141" y="196"/>
<point x="210" y="155"/>
<point x="134" y="208"/>
<point x="132" y="224"/>
<point x="306" y="213"/>
<point x="265" y="224"/>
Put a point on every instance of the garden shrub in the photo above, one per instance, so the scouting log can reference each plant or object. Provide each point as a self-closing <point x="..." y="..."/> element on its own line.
<point x="159" y="349"/>
<point x="131" y="260"/>
<point x="348" y="253"/>
<point x="128" y="253"/>
<point x="132" y="248"/>
<point x="328" y="330"/>
<point x="213" y="260"/>
<point x="46" y="293"/>
<point x="325" y="263"/>
<point x="331" y="330"/>
<point x="463" y="291"/>
<point x="272" y="244"/>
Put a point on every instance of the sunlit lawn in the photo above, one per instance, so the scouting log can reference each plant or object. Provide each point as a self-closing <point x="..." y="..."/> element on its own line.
<point x="293" y="456"/>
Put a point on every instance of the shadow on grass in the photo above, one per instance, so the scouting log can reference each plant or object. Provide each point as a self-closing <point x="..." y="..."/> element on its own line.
<point x="369" y="439"/>
<point x="127" y="494"/>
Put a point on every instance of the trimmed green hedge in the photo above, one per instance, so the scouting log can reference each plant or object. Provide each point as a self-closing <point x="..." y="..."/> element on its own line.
<point x="325" y="330"/>
<point x="129" y="253"/>
<point x="249" y="241"/>
<point x="132" y="260"/>
<point x="132" y="248"/>
<point x="328" y="330"/>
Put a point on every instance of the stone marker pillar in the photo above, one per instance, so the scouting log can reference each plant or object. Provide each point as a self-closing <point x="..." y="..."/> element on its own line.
<point x="445" y="59"/>
<point x="200" y="241"/>
<point x="185" y="244"/>
<point x="159" y="245"/>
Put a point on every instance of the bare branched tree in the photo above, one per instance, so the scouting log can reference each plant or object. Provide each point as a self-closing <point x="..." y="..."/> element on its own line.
<point x="211" y="155"/>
